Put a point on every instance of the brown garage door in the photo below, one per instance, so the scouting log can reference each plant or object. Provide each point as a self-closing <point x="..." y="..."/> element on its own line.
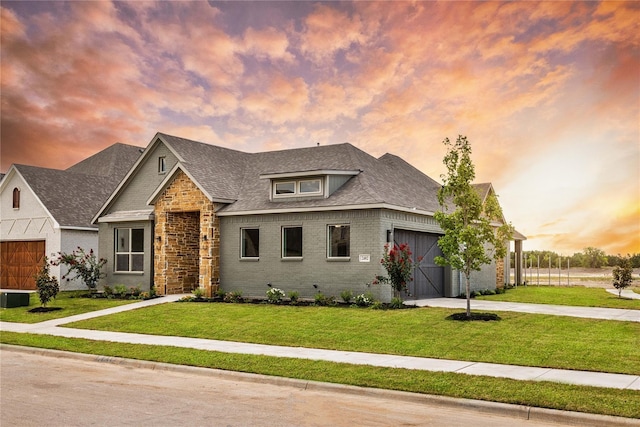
<point x="19" y="263"/>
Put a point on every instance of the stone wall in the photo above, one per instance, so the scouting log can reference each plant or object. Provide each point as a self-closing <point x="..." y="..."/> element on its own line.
<point x="187" y="243"/>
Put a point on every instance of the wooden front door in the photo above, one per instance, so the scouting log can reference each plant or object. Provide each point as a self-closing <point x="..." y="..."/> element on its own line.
<point x="19" y="263"/>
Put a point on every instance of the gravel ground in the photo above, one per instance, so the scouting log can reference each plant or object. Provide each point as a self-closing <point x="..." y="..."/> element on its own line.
<point x="588" y="277"/>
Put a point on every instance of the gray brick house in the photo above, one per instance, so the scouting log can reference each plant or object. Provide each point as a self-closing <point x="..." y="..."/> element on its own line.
<point x="190" y="214"/>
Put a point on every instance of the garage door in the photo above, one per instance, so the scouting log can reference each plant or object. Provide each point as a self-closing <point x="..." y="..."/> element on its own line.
<point x="19" y="263"/>
<point x="428" y="277"/>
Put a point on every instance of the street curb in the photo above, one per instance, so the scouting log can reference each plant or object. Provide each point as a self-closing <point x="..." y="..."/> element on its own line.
<point x="519" y="412"/>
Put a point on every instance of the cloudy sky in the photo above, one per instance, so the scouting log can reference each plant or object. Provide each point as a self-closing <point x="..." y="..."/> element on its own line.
<point x="548" y="93"/>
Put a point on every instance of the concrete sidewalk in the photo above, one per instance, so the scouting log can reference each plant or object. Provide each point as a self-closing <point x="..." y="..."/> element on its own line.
<point x="555" y="310"/>
<point x="53" y="327"/>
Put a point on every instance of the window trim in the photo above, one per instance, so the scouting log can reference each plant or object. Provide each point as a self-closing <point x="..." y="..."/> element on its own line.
<point x="162" y="165"/>
<point x="245" y="257"/>
<point x="329" y="245"/>
<point x="297" y="188"/>
<point x="282" y="243"/>
<point x="130" y="253"/>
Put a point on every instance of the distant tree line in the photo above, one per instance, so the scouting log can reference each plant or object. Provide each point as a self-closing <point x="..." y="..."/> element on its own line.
<point x="589" y="258"/>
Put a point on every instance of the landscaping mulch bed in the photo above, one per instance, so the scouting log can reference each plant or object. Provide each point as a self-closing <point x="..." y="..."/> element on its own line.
<point x="474" y="316"/>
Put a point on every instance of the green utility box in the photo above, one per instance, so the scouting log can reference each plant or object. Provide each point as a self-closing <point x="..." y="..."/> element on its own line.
<point x="14" y="299"/>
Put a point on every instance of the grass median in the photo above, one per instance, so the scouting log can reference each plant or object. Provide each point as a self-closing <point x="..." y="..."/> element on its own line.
<point x="624" y="403"/>
<point x="518" y="339"/>
<point x="69" y="303"/>
<point x="564" y="295"/>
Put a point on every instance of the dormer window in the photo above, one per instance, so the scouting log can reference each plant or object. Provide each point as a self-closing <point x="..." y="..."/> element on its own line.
<point x="285" y="188"/>
<point x="302" y="187"/>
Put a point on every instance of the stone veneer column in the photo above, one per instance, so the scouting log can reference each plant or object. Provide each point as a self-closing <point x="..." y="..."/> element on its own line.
<point x="183" y="196"/>
<point x="500" y="273"/>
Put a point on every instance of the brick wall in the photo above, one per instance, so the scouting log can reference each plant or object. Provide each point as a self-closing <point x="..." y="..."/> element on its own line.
<point x="187" y="252"/>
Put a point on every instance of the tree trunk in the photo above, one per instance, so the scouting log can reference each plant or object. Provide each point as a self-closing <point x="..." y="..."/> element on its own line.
<point x="468" y="288"/>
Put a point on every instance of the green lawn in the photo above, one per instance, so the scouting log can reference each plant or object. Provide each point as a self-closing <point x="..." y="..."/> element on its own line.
<point x="561" y="295"/>
<point x="70" y="302"/>
<point x="625" y="403"/>
<point x="518" y="339"/>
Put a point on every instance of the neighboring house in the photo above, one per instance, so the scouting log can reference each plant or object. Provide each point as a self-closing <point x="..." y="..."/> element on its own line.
<point x="316" y="219"/>
<point x="44" y="211"/>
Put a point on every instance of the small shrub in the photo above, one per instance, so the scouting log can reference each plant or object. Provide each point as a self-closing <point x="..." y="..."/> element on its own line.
<point x="322" y="300"/>
<point x="135" y="291"/>
<point x="377" y="305"/>
<point x="233" y="296"/>
<point x="107" y="291"/>
<point x="275" y="295"/>
<point x="198" y="293"/>
<point x="501" y="290"/>
<point x="293" y="296"/>
<point x="119" y="291"/>
<point x="364" y="300"/>
<point x="346" y="296"/>
<point x="396" y="303"/>
<point x="46" y="284"/>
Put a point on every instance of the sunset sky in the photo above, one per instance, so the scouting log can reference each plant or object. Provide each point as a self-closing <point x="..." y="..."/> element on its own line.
<point x="547" y="93"/>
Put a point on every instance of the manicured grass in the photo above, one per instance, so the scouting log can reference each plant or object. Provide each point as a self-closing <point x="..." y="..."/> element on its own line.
<point x="562" y="295"/>
<point x="70" y="302"/>
<point x="624" y="403"/>
<point x="518" y="339"/>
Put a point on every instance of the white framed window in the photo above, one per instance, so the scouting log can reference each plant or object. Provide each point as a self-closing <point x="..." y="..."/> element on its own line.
<point x="287" y="188"/>
<point x="162" y="164"/>
<point x="339" y="241"/>
<point x="250" y="243"/>
<point x="129" y="250"/>
<point x="301" y="187"/>
<point x="292" y="242"/>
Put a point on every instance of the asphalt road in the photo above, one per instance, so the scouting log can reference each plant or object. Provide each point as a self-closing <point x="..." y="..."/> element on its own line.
<point x="40" y="390"/>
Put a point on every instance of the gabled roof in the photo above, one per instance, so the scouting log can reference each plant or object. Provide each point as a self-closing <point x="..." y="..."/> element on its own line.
<point x="241" y="181"/>
<point x="74" y="195"/>
<point x="114" y="161"/>
<point x="225" y="174"/>
<point x="70" y="198"/>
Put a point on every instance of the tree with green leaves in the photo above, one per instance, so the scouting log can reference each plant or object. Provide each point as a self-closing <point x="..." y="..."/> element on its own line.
<point x="622" y="275"/>
<point x="594" y="258"/>
<point x="474" y="231"/>
<point x="46" y="285"/>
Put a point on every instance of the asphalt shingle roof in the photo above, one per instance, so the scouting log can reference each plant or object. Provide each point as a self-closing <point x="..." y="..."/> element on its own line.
<point x="73" y="196"/>
<point x="232" y="174"/>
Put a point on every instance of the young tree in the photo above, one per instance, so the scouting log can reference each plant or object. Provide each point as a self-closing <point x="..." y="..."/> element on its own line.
<point x="46" y="284"/>
<point x="622" y="275"/>
<point x="84" y="265"/>
<point x="473" y="230"/>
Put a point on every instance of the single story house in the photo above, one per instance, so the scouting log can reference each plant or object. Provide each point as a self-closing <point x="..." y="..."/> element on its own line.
<point x="310" y="220"/>
<point x="44" y="211"/>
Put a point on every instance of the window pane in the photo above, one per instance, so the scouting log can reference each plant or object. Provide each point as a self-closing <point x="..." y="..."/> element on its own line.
<point x="250" y="243"/>
<point x="137" y="240"/>
<point x="137" y="262"/>
<point x="122" y="240"/>
<point x="292" y="242"/>
<point x="339" y="240"/>
<point x="285" y="187"/>
<point x="310" y="186"/>
<point x="122" y="262"/>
